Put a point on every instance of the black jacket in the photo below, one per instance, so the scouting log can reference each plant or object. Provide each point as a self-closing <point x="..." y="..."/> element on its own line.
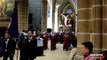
<point x="31" y="47"/>
<point x="28" y="49"/>
<point x="10" y="49"/>
<point x="1" y="48"/>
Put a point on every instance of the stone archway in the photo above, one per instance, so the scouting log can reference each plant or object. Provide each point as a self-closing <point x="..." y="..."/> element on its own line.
<point x="63" y="10"/>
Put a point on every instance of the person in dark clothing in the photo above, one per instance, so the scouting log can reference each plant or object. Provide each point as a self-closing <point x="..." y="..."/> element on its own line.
<point x="104" y="55"/>
<point x="74" y="41"/>
<point x="45" y="41"/>
<point x="40" y="50"/>
<point x="9" y="45"/>
<point x="61" y="38"/>
<point x="30" y="46"/>
<point x="22" y="47"/>
<point x="66" y="43"/>
<point x="53" y="41"/>
<point x="1" y="47"/>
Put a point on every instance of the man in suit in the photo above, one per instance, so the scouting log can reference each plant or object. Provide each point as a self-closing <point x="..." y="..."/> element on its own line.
<point x="22" y="46"/>
<point x="30" y="46"/>
<point x="9" y="45"/>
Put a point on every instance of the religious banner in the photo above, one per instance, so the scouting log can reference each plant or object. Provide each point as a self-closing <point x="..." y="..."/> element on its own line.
<point x="6" y="9"/>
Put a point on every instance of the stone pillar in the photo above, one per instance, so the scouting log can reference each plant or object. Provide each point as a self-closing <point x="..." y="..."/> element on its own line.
<point x="96" y="25"/>
<point x="56" y="19"/>
<point x="22" y="15"/>
<point x="44" y="15"/>
<point x="90" y="23"/>
<point x="53" y="14"/>
<point x="83" y="23"/>
<point x="53" y="20"/>
<point x="104" y="26"/>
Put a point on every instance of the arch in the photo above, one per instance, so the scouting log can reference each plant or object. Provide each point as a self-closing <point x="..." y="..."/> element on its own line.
<point x="67" y="4"/>
<point x="64" y="3"/>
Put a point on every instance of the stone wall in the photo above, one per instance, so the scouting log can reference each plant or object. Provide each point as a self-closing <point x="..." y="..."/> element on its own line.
<point x="92" y="24"/>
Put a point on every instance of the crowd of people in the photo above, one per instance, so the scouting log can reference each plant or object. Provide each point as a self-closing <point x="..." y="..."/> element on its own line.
<point x="32" y="43"/>
<point x="67" y="39"/>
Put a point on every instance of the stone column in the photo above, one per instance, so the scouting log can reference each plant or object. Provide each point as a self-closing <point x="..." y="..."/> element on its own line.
<point x="92" y="20"/>
<point x="44" y="15"/>
<point x="56" y="19"/>
<point x="22" y="15"/>
<point x="96" y="25"/>
<point x="53" y="19"/>
<point x="83" y="23"/>
<point x="53" y="14"/>
<point x="104" y="25"/>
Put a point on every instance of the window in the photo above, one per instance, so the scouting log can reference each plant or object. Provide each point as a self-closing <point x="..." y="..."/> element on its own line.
<point x="69" y="11"/>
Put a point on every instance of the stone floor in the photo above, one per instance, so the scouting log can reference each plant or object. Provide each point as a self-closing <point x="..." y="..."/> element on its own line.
<point x="55" y="55"/>
<point x="58" y="54"/>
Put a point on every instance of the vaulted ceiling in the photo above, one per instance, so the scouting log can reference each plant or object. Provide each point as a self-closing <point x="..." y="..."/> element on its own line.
<point x="67" y="4"/>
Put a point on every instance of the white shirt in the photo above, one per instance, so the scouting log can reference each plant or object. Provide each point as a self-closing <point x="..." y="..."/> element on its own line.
<point x="6" y="43"/>
<point x="39" y="42"/>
